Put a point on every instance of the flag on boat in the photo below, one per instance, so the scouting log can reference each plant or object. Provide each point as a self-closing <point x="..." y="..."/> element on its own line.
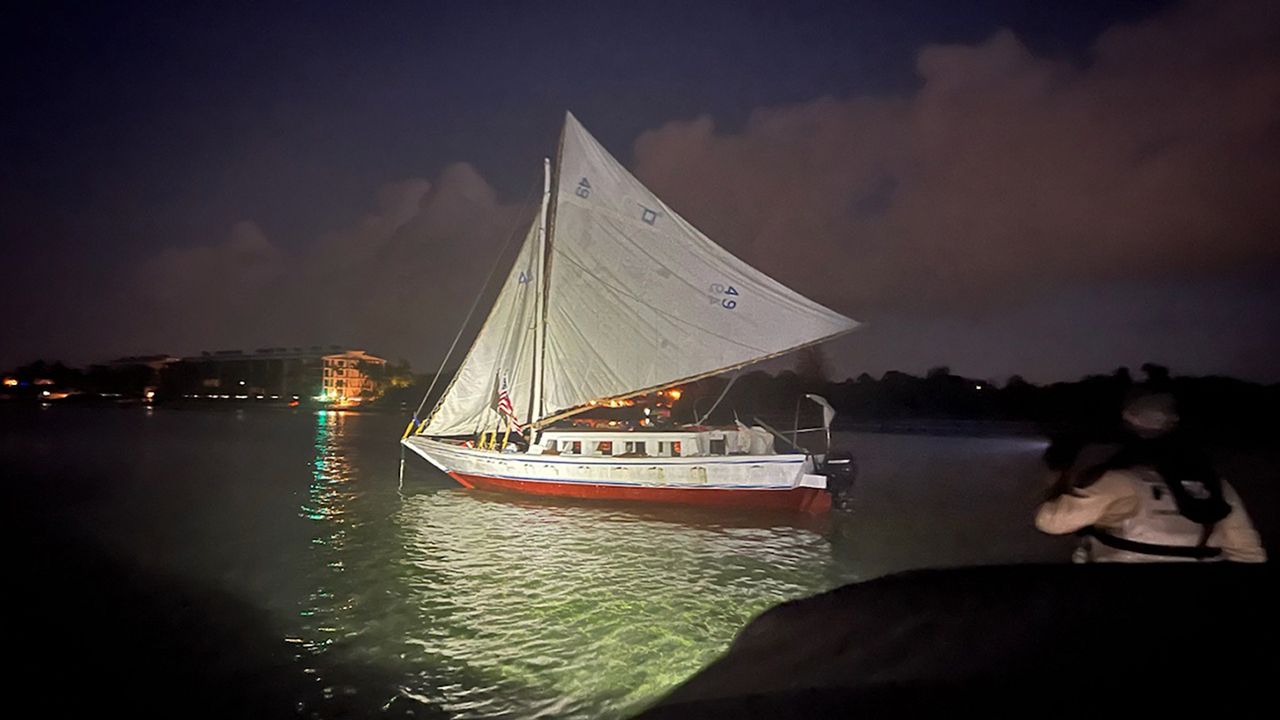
<point x="504" y="404"/>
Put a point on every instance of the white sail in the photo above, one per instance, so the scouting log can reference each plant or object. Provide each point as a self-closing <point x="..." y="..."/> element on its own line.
<point x="638" y="298"/>
<point x="503" y="349"/>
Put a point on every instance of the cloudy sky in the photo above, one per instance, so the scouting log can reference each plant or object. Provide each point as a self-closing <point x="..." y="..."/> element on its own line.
<point x="1001" y="187"/>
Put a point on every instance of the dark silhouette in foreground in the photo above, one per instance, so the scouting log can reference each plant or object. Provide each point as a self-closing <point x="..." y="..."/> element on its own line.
<point x="1032" y="640"/>
<point x="98" y="636"/>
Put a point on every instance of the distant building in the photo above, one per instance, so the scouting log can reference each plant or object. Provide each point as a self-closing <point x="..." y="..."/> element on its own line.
<point x="149" y="371"/>
<point x="278" y="373"/>
<point x="155" y="362"/>
<point x="353" y="376"/>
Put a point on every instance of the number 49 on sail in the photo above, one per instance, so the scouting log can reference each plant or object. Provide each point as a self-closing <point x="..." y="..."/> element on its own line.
<point x="718" y="291"/>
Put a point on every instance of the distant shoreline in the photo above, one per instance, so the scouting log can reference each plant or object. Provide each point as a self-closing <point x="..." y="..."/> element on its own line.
<point x="940" y="427"/>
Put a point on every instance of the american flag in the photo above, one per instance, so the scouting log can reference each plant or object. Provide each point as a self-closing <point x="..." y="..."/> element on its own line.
<point x="504" y="404"/>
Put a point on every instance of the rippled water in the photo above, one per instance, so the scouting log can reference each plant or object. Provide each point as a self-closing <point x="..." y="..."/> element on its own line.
<point x="415" y="596"/>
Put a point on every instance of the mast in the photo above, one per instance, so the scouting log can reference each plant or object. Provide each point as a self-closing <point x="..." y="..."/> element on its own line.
<point x="546" y="233"/>
<point x="540" y="322"/>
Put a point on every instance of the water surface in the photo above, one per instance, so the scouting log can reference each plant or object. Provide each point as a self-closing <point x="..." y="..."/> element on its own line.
<point x="288" y="543"/>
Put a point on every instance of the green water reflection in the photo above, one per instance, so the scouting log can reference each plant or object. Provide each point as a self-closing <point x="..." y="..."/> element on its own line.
<point x="582" y="610"/>
<point x="464" y="605"/>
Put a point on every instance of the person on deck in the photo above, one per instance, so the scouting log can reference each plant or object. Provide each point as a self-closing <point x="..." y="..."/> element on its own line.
<point x="1149" y="498"/>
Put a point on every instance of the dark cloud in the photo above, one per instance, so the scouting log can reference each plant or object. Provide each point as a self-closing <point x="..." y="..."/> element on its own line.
<point x="1158" y="152"/>
<point x="1014" y="211"/>
<point x="397" y="275"/>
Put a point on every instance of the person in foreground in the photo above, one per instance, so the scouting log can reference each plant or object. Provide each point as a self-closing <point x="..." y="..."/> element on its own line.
<point x="1150" y="498"/>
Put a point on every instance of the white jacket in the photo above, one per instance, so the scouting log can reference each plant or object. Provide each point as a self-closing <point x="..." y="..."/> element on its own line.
<point x="1134" y="504"/>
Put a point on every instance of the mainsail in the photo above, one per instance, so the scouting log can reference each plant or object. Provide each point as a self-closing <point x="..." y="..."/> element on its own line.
<point x="504" y="348"/>
<point x="639" y="299"/>
<point x="636" y="299"/>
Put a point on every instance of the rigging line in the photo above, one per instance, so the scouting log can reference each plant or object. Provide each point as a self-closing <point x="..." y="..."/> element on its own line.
<point x="716" y="404"/>
<point x="497" y="260"/>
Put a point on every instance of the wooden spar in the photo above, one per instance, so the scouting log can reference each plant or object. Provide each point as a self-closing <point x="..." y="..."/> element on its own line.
<point x="539" y="322"/>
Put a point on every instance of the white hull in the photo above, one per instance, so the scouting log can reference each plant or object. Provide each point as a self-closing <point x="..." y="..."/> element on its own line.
<point x="730" y="472"/>
<point x="778" y="482"/>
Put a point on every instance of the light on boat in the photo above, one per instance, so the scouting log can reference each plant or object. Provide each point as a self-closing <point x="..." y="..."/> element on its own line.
<point x="674" y="394"/>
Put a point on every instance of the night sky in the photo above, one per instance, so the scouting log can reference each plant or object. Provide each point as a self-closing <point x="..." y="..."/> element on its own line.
<point x="1000" y="187"/>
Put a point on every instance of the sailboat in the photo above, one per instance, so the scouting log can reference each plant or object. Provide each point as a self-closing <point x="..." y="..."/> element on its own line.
<point x="613" y="295"/>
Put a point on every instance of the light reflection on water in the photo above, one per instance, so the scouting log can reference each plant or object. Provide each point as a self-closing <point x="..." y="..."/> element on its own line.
<point x="481" y="606"/>
<point x="328" y="497"/>
<point x="433" y="601"/>
<point x="578" y="610"/>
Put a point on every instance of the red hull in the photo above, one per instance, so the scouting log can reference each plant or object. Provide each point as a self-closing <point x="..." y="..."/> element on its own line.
<point x="810" y="500"/>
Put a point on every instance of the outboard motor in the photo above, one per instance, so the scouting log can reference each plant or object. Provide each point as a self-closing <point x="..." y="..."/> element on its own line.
<point x="841" y="471"/>
<point x="839" y="467"/>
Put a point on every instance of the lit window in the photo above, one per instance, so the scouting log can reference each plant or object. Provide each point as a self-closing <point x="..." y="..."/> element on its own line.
<point x="604" y="447"/>
<point x="576" y="448"/>
<point x="675" y="448"/>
